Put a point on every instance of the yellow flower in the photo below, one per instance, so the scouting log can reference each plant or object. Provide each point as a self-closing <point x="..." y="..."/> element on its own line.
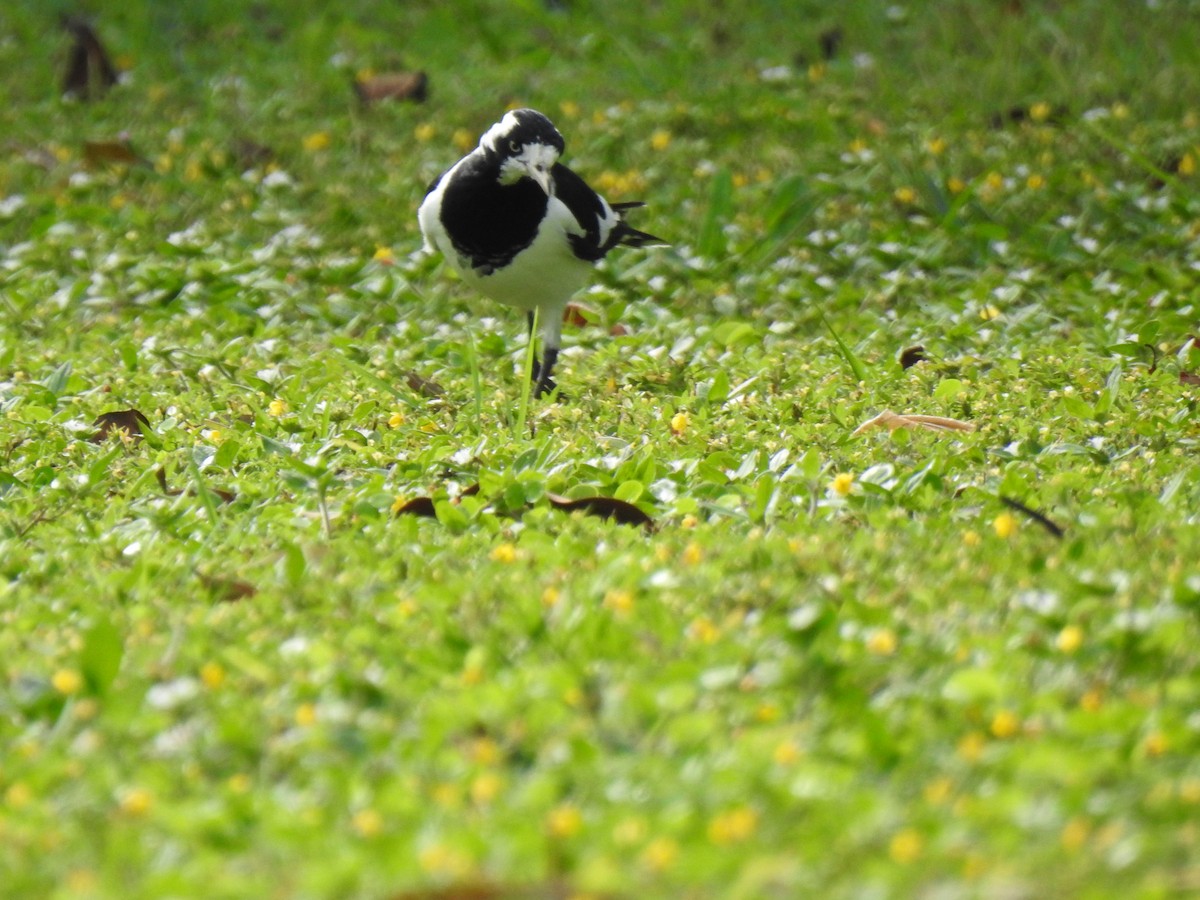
<point x="843" y="484"/>
<point x="136" y="802"/>
<point x="988" y="313"/>
<point x="277" y="408"/>
<point x="786" y="753"/>
<point x="1155" y="744"/>
<point x="630" y="831"/>
<point x="18" y="795"/>
<point x="702" y="630"/>
<point x="905" y="195"/>
<point x="971" y="538"/>
<point x="367" y="822"/>
<point x="1187" y="165"/>
<point x="306" y="715"/>
<point x="1120" y="111"/>
<point x="733" y="826"/>
<point x="1075" y="833"/>
<point x="504" y="553"/>
<point x="660" y="140"/>
<point x="1092" y="700"/>
<point x="906" y="846"/>
<point x="1005" y="724"/>
<point x="971" y="746"/>
<point x="384" y="255"/>
<point x="619" y="601"/>
<point x="1069" y="639"/>
<point x="564" y="821"/>
<point x="1035" y="182"/>
<point x="424" y="132"/>
<point x="692" y="554"/>
<point x="938" y="791"/>
<point x="214" y="435"/>
<point x="399" y="503"/>
<point x="689" y="521"/>
<point x="569" y="109"/>
<point x="857" y="146"/>
<point x="485" y="787"/>
<point x="816" y="72"/>
<point x="882" y="642"/>
<point x="550" y="597"/>
<point x="463" y="139"/>
<point x="680" y="422"/>
<point x="994" y="181"/>
<point x="1005" y="525"/>
<point x="936" y="146"/>
<point x="443" y="861"/>
<point x="660" y="854"/>
<point x="318" y="140"/>
<point x="767" y="713"/>
<point x="485" y="751"/>
<point x="395" y="420"/>
<point x="1040" y="111"/>
<point x="955" y="185"/>
<point x="212" y="674"/>
<point x="67" y="681"/>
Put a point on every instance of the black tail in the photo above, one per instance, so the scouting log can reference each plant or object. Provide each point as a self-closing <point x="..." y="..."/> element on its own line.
<point x="627" y="236"/>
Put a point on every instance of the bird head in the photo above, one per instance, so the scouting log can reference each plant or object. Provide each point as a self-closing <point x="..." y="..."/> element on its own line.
<point x="527" y="145"/>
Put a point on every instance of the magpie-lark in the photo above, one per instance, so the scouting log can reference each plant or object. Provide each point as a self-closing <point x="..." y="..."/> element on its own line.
<point x="521" y="227"/>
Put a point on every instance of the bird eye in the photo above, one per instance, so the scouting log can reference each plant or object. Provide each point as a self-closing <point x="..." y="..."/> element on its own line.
<point x="514" y="146"/>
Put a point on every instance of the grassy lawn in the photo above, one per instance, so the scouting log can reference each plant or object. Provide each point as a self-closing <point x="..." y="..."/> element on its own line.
<point x="898" y="663"/>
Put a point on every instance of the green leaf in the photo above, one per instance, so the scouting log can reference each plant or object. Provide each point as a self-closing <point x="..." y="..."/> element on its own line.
<point x="972" y="686"/>
<point x="100" y="657"/>
<point x="630" y="491"/>
<point x="712" y="244"/>
<point x="949" y="389"/>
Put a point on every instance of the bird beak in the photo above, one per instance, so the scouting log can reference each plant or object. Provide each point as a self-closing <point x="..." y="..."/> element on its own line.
<point x="538" y="160"/>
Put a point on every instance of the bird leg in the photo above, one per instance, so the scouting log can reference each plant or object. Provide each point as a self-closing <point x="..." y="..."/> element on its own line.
<point x="543" y="384"/>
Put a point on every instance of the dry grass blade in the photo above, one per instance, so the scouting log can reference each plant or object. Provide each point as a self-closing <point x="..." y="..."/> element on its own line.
<point x="891" y="421"/>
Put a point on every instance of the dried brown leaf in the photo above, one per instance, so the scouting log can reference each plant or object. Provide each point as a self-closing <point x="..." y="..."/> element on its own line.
<point x="605" y="507"/>
<point x="423" y="386"/>
<point x="891" y="421"/>
<point x="577" y="315"/>
<point x="129" y="421"/>
<point x="227" y="590"/>
<point x="910" y="356"/>
<point x="119" y="152"/>
<point x="418" y="506"/>
<point x="393" y="86"/>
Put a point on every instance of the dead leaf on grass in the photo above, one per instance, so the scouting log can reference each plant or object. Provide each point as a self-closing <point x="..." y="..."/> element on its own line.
<point x="423" y="386"/>
<point x="118" y="152"/>
<point x="227" y="590"/>
<point x="129" y="421"/>
<point x="620" y="511"/>
<point x="910" y="356"/>
<point x="891" y="421"/>
<point x="392" y="86"/>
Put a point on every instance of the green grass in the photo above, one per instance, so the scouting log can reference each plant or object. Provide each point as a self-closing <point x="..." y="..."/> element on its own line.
<point x="837" y="666"/>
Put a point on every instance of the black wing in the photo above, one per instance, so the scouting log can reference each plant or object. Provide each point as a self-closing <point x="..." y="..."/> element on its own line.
<point x="588" y="209"/>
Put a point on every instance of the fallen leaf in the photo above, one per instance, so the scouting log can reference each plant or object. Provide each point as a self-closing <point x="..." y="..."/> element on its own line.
<point x="418" y="506"/>
<point x="393" y="86"/>
<point x="605" y="507"/>
<point x="129" y="421"/>
<point x="118" y="152"/>
<point x="910" y="356"/>
<point x="1038" y="517"/>
<point x="89" y="70"/>
<point x="619" y="330"/>
<point x="577" y="315"/>
<point x="423" y="386"/>
<point x="226" y="590"/>
<point x="891" y="421"/>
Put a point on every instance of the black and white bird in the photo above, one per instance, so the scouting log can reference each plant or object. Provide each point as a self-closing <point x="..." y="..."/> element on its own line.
<point x="522" y="228"/>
